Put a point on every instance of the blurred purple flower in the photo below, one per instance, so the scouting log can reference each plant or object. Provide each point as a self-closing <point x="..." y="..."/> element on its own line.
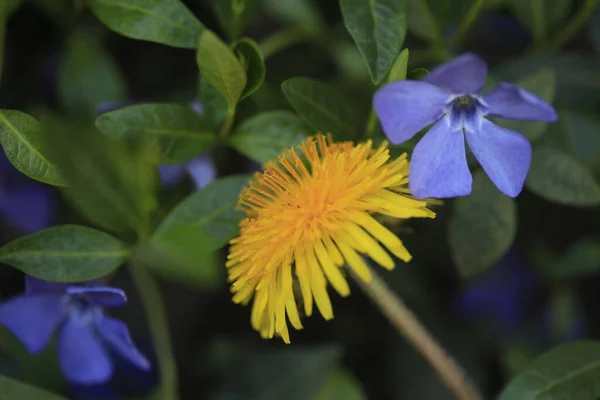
<point x="87" y="336"/>
<point x="502" y="294"/>
<point x="448" y="97"/>
<point x="26" y="204"/>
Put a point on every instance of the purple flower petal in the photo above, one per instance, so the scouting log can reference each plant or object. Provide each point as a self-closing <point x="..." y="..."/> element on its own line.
<point x="117" y="335"/>
<point x="171" y="175"/>
<point x="466" y="74"/>
<point x="29" y="207"/>
<point x="102" y="296"/>
<point x="504" y="155"/>
<point x="33" y="319"/>
<point x="406" y="107"/>
<point x="40" y="286"/>
<point x="512" y="102"/>
<point x="202" y="170"/>
<point x="439" y="164"/>
<point x="82" y="356"/>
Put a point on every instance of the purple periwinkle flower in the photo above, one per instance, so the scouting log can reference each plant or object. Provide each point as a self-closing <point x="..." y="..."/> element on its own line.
<point x="86" y="336"/>
<point x="448" y="97"/>
<point x="201" y="169"/>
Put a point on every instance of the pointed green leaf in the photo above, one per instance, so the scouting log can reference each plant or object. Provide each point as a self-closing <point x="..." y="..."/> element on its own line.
<point x="482" y="228"/>
<point x="220" y="67"/>
<point x="162" y="21"/>
<point x="569" y="371"/>
<point x="378" y="28"/>
<point x="252" y="60"/>
<point x="322" y="107"/>
<point x="181" y="133"/>
<point x="265" y="136"/>
<point x="21" y="139"/>
<point x="12" y="389"/>
<point x="67" y="253"/>
<point x="211" y="210"/>
<point x="558" y="177"/>
<point x="398" y="71"/>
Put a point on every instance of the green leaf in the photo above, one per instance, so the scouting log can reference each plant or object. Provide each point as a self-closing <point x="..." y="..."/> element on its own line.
<point x="213" y="103"/>
<point x="302" y="13"/>
<point x="275" y="375"/>
<point x="569" y="371"/>
<point x="252" y="60"/>
<point x="558" y="177"/>
<point x="111" y="182"/>
<point x="398" y="71"/>
<point x="582" y="132"/>
<point x="21" y="139"/>
<point x="182" y="253"/>
<point x="211" y="210"/>
<point x="12" y="389"/>
<point x="340" y="385"/>
<point x="180" y="132"/>
<point x="421" y="21"/>
<point x="162" y="21"/>
<point x="378" y="28"/>
<point x="593" y="27"/>
<point x="482" y="227"/>
<point x="321" y="106"/>
<point x="67" y="253"/>
<point x="581" y="259"/>
<point x="543" y="84"/>
<point x="233" y="15"/>
<point x="265" y="136"/>
<point x="219" y="66"/>
<point x="88" y="77"/>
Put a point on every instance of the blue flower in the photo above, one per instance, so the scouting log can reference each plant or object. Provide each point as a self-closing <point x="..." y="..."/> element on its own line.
<point x="201" y="170"/>
<point x="448" y="97"/>
<point x="86" y="337"/>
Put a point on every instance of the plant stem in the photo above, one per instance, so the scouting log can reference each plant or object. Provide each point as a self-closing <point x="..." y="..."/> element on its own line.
<point x="572" y="27"/>
<point x="467" y="21"/>
<point x="409" y="326"/>
<point x="283" y="39"/>
<point x="159" y="328"/>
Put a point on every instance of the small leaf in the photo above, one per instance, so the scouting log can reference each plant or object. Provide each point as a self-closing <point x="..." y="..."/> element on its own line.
<point x="219" y="66"/>
<point x="579" y="260"/>
<point x="543" y="84"/>
<point x="278" y="374"/>
<point x="233" y="15"/>
<point x="88" y="77"/>
<point x="251" y="58"/>
<point x="265" y="136"/>
<point x="162" y="21"/>
<point x="321" y="106"/>
<point x="12" y="389"/>
<point x="182" y="134"/>
<point x="340" y="385"/>
<point x="569" y="371"/>
<point x="20" y="136"/>
<point x="182" y="254"/>
<point x="558" y="177"/>
<point x="211" y="210"/>
<point x="378" y="28"/>
<point x="482" y="227"/>
<point x="67" y="253"/>
<point x="398" y="71"/>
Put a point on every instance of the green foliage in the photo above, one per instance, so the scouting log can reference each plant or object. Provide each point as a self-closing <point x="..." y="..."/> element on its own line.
<point x="12" y="389"/>
<point x="398" y="70"/>
<point x="213" y="103"/>
<point x="211" y="210"/>
<point x="302" y="13"/>
<point x="21" y="139"/>
<point x="378" y="27"/>
<point x="340" y="385"/>
<point x="570" y="371"/>
<point x="582" y="136"/>
<point x="252" y="61"/>
<point x="67" y="253"/>
<point x="88" y="76"/>
<point x="541" y="16"/>
<point x="162" y="21"/>
<point x="580" y="259"/>
<point x="421" y="20"/>
<point x="264" y="136"/>
<point x="482" y="228"/>
<point x="181" y="134"/>
<point x="110" y="182"/>
<point x="322" y="107"/>
<point x="233" y="15"/>
<point x="558" y="177"/>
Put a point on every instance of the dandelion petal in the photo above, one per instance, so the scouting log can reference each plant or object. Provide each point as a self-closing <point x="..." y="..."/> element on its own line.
<point x="465" y="74"/>
<point x="82" y="356"/>
<point x="439" y="164"/>
<point x="504" y="155"/>
<point x="512" y="102"/>
<point x="406" y="107"/>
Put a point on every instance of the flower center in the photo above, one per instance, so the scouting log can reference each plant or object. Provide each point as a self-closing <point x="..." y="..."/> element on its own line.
<point x="464" y="112"/>
<point x="82" y="308"/>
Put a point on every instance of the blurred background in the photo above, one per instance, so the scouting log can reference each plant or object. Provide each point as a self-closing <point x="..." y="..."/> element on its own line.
<point x="497" y="281"/>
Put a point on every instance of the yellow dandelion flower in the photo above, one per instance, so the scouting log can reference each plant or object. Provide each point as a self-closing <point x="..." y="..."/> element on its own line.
<point x="308" y="214"/>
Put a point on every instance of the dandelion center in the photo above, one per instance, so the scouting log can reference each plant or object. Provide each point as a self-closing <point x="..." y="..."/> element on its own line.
<point x="309" y="213"/>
